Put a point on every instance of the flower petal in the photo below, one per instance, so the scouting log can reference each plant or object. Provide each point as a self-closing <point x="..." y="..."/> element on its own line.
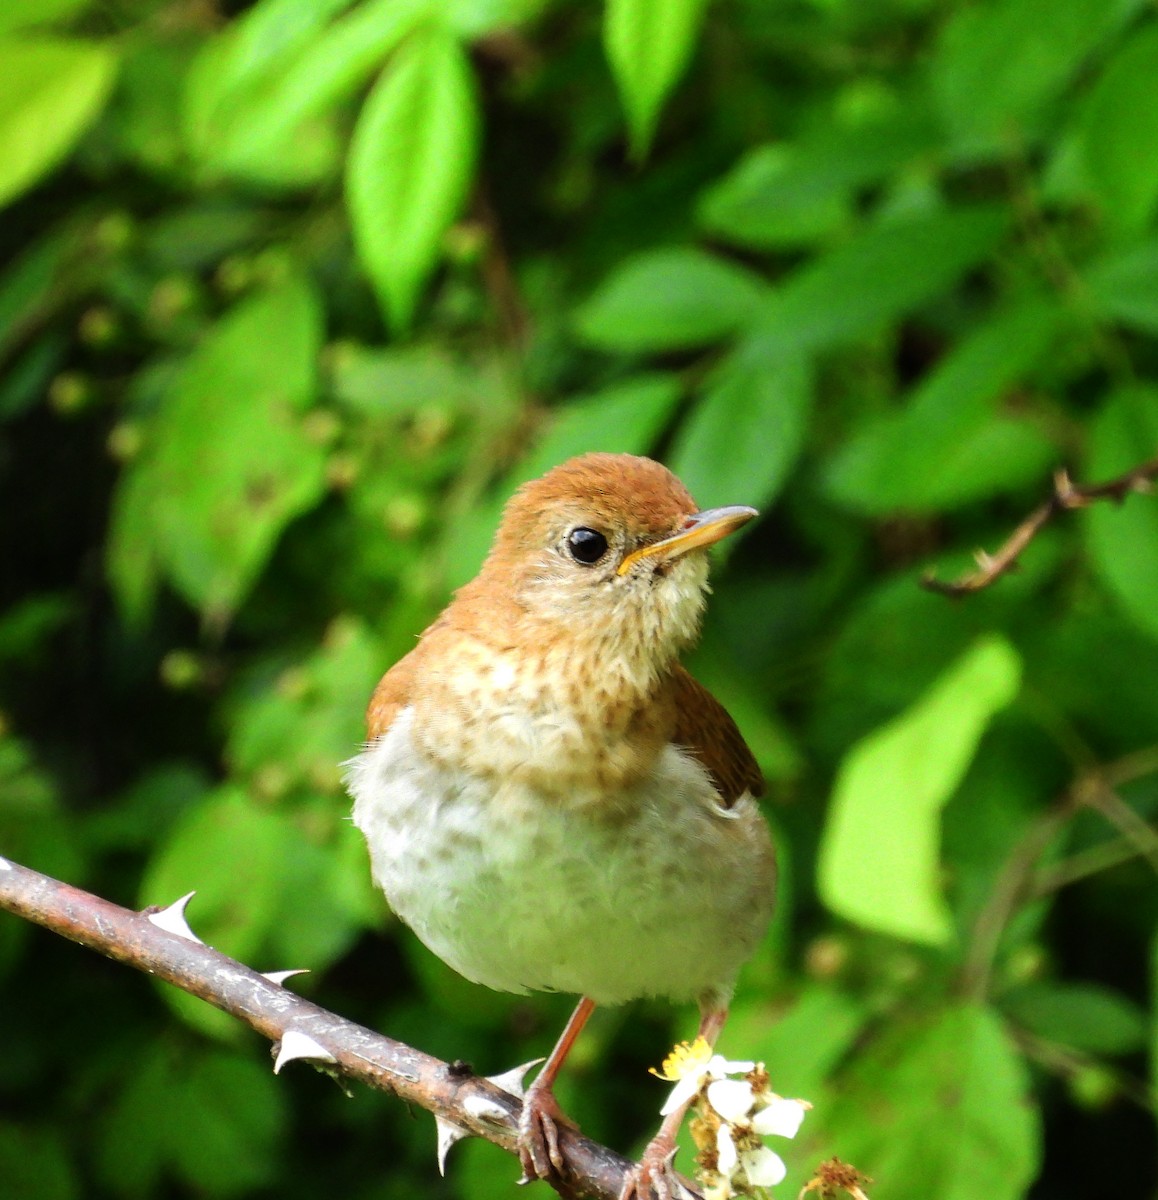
<point x="682" y="1093"/>
<point x="779" y="1116"/>
<point x="731" y="1098"/>
<point x="764" y="1167"/>
<point x="726" y="1157"/>
<point x="719" y="1066"/>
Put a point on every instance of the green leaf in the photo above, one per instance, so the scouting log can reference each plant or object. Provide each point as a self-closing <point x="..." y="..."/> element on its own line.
<point x="34" y="284"/>
<point x="950" y="445"/>
<point x="867" y="283"/>
<point x="329" y="68"/>
<point x="996" y="70"/>
<point x="1153" y="1047"/>
<point x="33" y="827"/>
<point x="806" y="1042"/>
<point x="472" y="19"/>
<point x="1122" y="540"/>
<point x="411" y="162"/>
<point x="670" y="299"/>
<point x="744" y="435"/>
<point x="227" y="463"/>
<point x="133" y="559"/>
<point x="798" y="193"/>
<point x="298" y="730"/>
<point x="1119" y="130"/>
<point x="1083" y="1016"/>
<point x="398" y="381"/>
<point x="35" y="1162"/>
<point x="232" y="853"/>
<point x="1124" y="286"/>
<point x="19" y="14"/>
<point x="648" y="44"/>
<point x="625" y="418"/>
<point x="53" y="90"/>
<point x="233" y="83"/>
<point x="879" y="855"/>
<point x="211" y="1118"/>
<point x="938" y="1107"/>
<point x="268" y="37"/>
<point x="230" y="1115"/>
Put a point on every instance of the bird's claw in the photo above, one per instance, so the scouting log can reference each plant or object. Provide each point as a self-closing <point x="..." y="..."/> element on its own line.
<point x="655" y="1177"/>
<point x="540" y="1154"/>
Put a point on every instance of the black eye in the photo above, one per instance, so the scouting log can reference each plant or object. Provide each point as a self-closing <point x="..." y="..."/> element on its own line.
<point x="587" y="546"/>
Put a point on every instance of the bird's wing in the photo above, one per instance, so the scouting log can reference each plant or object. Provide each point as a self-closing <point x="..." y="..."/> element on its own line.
<point x="392" y="694"/>
<point x="704" y="727"/>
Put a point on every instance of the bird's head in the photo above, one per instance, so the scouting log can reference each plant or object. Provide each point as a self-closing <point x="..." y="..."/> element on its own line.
<point x="610" y="547"/>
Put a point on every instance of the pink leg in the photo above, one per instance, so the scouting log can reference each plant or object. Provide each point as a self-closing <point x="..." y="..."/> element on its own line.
<point x="539" y="1123"/>
<point x="655" y="1174"/>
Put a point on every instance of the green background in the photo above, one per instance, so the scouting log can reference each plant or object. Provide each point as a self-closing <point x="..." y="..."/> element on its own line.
<point x="294" y="294"/>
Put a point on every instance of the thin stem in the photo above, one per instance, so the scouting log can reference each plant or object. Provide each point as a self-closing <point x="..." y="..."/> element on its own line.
<point x="1066" y="498"/>
<point x="1021" y="879"/>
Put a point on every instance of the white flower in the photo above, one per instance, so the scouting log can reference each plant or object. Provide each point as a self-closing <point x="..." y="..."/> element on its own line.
<point x="689" y="1066"/>
<point x="761" y="1166"/>
<point x="733" y="1099"/>
<point x="737" y="1101"/>
<point x="781" y="1117"/>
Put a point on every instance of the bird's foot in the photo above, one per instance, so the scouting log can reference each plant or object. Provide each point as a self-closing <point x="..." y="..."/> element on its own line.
<point x="654" y="1177"/>
<point x="540" y="1154"/>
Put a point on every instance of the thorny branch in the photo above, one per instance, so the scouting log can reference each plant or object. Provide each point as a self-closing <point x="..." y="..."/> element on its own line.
<point x="473" y="1105"/>
<point x="1066" y="497"/>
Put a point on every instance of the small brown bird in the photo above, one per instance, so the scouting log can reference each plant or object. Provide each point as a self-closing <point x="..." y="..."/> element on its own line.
<point x="550" y="801"/>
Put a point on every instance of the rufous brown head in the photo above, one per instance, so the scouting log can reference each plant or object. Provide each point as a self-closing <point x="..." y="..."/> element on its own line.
<point x="614" y="542"/>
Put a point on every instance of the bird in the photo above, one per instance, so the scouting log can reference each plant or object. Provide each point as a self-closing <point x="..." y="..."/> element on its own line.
<point x="549" y="799"/>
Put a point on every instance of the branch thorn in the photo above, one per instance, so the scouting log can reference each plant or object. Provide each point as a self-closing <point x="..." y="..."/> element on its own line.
<point x="448" y="1134"/>
<point x="295" y="1044"/>
<point x="173" y="920"/>
<point x="513" y="1082"/>
<point x="279" y="977"/>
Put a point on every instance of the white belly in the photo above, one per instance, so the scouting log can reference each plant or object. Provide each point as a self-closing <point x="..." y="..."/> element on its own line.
<point x="522" y="892"/>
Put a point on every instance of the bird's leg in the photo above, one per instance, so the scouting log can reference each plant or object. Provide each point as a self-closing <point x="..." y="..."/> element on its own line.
<point x="655" y="1176"/>
<point x="539" y="1121"/>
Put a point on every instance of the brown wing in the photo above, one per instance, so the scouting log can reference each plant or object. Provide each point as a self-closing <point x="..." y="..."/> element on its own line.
<point x="392" y="694"/>
<point x="704" y="727"/>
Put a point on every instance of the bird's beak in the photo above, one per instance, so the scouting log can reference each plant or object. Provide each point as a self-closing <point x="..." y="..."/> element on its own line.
<point x="702" y="529"/>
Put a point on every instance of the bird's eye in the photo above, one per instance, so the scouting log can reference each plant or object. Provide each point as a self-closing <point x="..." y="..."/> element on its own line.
<point x="587" y="546"/>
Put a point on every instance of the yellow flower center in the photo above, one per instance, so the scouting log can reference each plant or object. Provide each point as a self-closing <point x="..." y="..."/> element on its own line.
<point x="685" y="1058"/>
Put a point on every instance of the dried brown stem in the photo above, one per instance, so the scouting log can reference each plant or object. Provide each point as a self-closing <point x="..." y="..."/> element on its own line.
<point x="1066" y="497"/>
<point x="475" y="1104"/>
<point x="1022" y="880"/>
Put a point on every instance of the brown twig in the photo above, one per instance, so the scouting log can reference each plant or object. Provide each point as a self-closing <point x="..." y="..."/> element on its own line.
<point x="1138" y="838"/>
<point x="1068" y="1063"/>
<point x="1020" y="880"/>
<point x="477" y="1106"/>
<point x="499" y="279"/>
<point x="1066" y="497"/>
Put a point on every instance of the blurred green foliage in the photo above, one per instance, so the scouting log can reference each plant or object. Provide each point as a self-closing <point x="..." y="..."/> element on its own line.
<point x="295" y="292"/>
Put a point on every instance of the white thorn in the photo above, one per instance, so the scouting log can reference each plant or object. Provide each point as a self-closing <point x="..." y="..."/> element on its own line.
<point x="300" y="1045"/>
<point x="513" y="1082"/>
<point x="279" y="977"/>
<point x="485" y="1110"/>
<point x="448" y="1134"/>
<point x="172" y="919"/>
